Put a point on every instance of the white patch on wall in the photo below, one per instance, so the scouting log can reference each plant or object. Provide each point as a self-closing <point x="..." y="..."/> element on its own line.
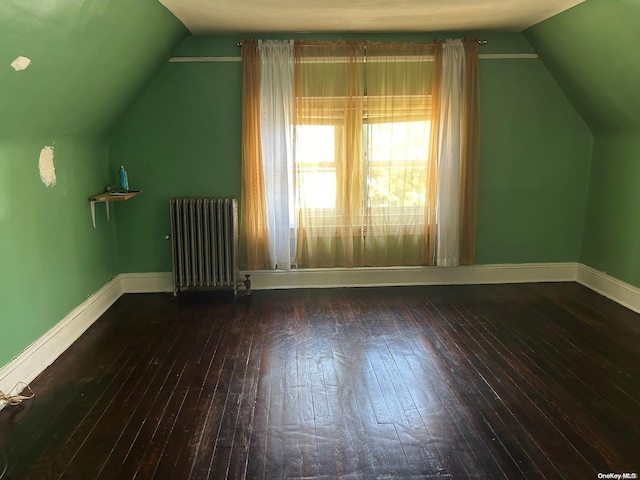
<point x="21" y="63"/>
<point x="47" y="170"/>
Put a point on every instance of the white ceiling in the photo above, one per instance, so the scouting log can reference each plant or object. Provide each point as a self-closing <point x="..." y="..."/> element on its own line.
<point x="226" y="16"/>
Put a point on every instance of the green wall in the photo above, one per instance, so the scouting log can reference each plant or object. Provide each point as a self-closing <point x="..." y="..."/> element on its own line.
<point x="612" y="230"/>
<point x="90" y="60"/>
<point x="52" y="258"/>
<point x="591" y="50"/>
<point x="183" y="138"/>
<point x="535" y="167"/>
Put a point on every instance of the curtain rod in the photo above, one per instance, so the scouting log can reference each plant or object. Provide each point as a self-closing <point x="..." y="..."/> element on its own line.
<point x="483" y="56"/>
<point x="480" y="42"/>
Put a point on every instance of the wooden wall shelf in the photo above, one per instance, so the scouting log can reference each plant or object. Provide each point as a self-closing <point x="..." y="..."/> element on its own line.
<point x="107" y="197"/>
<point x="115" y="196"/>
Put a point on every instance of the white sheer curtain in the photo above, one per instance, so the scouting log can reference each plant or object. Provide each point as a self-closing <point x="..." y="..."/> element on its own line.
<point x="276" y="118"/>
<point x="449" y="155"/>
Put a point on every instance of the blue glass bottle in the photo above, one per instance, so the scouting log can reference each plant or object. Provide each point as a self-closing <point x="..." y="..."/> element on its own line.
<point x="124" y="181"/>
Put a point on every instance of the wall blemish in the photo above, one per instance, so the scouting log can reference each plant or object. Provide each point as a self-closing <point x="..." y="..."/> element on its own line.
<point x="21" y="63"/>
<point x="45" y="164"/>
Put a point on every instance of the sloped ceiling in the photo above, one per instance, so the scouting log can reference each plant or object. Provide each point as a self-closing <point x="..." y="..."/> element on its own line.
<point x="592" y="51"/>
<point x="89" y="60"/>
<point x="223" y="16"/>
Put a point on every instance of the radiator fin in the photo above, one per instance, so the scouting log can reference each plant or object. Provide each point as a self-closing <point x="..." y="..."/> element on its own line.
<point x="204" y="240"/>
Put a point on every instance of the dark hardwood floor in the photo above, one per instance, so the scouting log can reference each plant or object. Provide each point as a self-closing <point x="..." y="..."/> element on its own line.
<point x="538" y="381"/>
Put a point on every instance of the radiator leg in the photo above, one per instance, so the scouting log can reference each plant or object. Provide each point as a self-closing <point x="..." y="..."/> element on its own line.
<point x="247" y="285"/>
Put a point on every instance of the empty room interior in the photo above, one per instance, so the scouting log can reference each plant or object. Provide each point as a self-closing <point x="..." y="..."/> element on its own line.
<point x="412" y="253"/>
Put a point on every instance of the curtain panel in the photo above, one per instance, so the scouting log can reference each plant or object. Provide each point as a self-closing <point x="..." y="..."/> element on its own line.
<point x="254" y="236"/>
<point x="276" y="136"/>
<point x="380" y="153"/>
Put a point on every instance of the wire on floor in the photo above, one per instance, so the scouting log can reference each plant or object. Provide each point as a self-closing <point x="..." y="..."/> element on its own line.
<point x="16" y="399"/>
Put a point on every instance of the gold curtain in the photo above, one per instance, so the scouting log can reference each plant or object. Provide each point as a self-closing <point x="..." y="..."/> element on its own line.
<point x="470" y="162"/>
<point x="429" y="241"/>
<point x="364" y="196"/>
<point x="254" y="236"/>
<point x="378" y="180"/>
<point x="401" y="174"/>
<point x="330" y="179"/>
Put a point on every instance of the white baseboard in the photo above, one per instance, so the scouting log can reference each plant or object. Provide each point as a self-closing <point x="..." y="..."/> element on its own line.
<point x="41" y="353"/>
<point x="146" y="282"/>
<point x="617" y="290"/>
<point x="404" y="276"/>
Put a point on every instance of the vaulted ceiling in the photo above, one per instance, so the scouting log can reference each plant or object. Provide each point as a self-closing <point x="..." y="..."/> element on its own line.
<point x="91" y="58"/>
<point x="216" y="16"/>
<point x="592" y="51"/>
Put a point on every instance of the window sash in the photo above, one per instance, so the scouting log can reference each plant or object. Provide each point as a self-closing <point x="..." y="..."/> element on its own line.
<point x="377" y="110"/>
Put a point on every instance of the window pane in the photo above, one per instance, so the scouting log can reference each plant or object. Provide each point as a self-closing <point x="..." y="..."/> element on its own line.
<point x="315" y="143"/>
<point x="396" y="185"/>
<point x="315" y="166"/>
<point x="319" y="188"/>
<point x="400" y="141"/>
<point x="398" y="156"/>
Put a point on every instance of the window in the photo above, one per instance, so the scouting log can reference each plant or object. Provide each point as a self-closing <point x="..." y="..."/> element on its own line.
<point x="345" y="133"/>
<point x="316" y="166"/>
<point x="395" y="163"/>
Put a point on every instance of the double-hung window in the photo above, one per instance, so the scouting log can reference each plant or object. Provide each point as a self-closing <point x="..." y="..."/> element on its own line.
<point x="381" y="158"/>
<point x="395" y="156"/>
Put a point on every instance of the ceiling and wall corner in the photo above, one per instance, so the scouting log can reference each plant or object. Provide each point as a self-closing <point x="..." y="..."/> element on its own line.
<point x="228" y="16"/>
<point x="89" y="61"/>
<point x="591" y="50"/>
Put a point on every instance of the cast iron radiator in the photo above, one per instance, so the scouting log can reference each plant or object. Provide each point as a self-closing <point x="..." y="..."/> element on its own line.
<point x="204" y="239"/>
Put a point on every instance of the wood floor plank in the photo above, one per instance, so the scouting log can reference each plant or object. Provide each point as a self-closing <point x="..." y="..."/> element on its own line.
<point x="560" y="397"/>
<point x="538" y="418"/>
<point x="531" y="381"/>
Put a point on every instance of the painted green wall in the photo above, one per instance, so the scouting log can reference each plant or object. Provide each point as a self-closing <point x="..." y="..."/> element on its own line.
<point x="90" y="60"/>
<point x="612" y="230"/>
<point x="52" y="258"/>
<point x="183" y="138"/>
<point x="535" y="167"/>
<point x="591" y="50"/>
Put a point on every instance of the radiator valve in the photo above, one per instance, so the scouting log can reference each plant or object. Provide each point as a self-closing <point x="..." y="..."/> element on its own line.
<point x="247" y="285"/>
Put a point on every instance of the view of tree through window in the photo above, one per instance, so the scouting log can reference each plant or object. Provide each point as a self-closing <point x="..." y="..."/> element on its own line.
<point x="395" y="161"/>
<point x="397" y="166"/>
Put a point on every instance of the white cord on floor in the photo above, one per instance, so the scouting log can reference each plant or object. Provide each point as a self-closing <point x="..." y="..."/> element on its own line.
<point x="17" y="399"/>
